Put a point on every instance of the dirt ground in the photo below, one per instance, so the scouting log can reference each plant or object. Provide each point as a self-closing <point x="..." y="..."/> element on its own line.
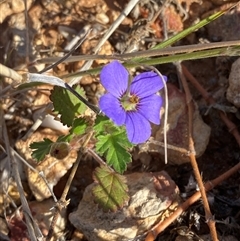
<point x="50" y="27"/>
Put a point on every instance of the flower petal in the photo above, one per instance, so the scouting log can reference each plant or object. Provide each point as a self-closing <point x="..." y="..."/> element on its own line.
<point x="150" y="107"/>
<point x="146" y="84"/>
<point x="114" y="78"/>
<point x="112" y="108"/>
<point x="138" y="128"/>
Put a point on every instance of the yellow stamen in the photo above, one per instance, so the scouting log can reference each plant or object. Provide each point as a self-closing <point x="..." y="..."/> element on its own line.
<point x="129" y="103"/>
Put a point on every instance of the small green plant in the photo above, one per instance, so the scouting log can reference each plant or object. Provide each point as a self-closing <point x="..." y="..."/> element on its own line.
<point x="126" y="104"/>
<point x="124" y="113"/>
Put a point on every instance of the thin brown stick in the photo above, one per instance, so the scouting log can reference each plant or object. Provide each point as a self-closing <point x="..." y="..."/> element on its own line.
<point x="98" y="159"/>
<point x="184" y="206"/>
<point x="208" y="215"/>
<point x="62" y="203"/>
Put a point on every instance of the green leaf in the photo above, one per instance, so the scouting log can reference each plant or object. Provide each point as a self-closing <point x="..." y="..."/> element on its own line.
<point x="41" y="149"/>
<point x="66" y="104"/>
<point x="111" y="191"/>
<point x="79" y="126"/>
<point x="103" y="125"/>
<point x="112" y="142"/>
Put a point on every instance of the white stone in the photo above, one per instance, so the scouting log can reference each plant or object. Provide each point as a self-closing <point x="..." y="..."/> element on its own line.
<point x="150" y="196"/>
<point x="233" y="91"/>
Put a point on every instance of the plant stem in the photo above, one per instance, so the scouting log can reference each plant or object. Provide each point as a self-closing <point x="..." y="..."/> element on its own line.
<point x="184" y="206"/>
<point x="208" y="214"/>
<point x="62" y="203"/>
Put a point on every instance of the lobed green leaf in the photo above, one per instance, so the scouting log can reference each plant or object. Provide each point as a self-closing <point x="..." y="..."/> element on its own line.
<point x="66" y="104"/>
<point x="112" y="142"/>
<point x="41" y="149"/>
<point x="79" y="126"/>
<point x="111" y="190"/>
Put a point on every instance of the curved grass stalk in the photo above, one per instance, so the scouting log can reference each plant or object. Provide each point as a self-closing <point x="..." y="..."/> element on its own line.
<point x="223" y="51"/>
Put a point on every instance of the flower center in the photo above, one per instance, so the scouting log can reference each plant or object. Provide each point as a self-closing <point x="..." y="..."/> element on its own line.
<point x="129" y="102"/>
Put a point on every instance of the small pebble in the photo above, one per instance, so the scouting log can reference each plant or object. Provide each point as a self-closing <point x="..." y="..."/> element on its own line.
<point x="93" y="87"/>
<point x="102" y="18"/>
<point x="88" y="89"/>
<point x="86" y="80"/>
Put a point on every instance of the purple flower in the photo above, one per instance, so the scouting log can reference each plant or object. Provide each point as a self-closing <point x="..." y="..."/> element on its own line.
<point x="132" y="103"/>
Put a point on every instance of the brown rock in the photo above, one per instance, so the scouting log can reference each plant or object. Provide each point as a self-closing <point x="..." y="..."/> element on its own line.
<point x="223" y="29"/>
<point x="233" y="91"/>
<point x="151" y="194"/>
<point x="177" y="133"/>
<point x="43" y="214"/>
<point x="86" y="80"/>
<point x="173" y="19"/>
<point x="52" y="168"/>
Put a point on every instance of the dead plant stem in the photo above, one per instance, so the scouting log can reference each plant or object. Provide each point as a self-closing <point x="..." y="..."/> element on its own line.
<point x="62" y="203"/>
<point x="184" y="206"/>
<point x="32" y="227"/>
<point x="208" y="214"/>
<point x="98" y="159"/>
<point x="147" y="53"/>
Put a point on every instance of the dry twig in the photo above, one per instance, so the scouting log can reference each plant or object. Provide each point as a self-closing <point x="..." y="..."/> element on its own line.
<point x="33" y="229"/>
<point x="62" y="203"/>
<point x="208" y="215"/>
<point x="184" y="206"/>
